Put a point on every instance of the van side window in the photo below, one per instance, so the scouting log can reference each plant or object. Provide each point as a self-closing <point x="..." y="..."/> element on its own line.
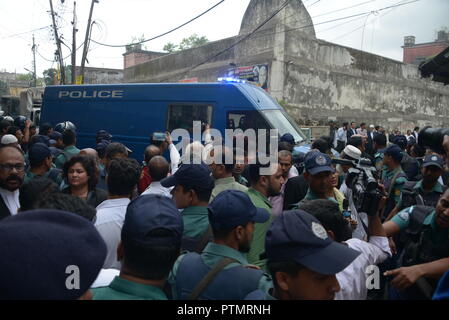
<point x="181" y="116"/>
<point x="246" y="120"/>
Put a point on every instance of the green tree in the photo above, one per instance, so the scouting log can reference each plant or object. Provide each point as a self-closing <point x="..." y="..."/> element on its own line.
<point x="50" y="75"/>
<point x="170" y="47"/>
<point x="28" y="77"/>
<point x="191" y="42"/>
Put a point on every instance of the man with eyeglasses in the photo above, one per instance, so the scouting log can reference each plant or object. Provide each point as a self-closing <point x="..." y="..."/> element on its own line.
<point x="12" y="171"/>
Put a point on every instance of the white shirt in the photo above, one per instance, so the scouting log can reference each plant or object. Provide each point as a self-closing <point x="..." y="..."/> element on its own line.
<point x="342" y="134"/>
<point x="110" y="218"/>
<point x="352" y="280"/>
<point x="360" y="217"/>
<point x="11" y="199"/>
<point x="174" y="158"/>
<point x="105" y="278"/>
<point x="155" y="187"/>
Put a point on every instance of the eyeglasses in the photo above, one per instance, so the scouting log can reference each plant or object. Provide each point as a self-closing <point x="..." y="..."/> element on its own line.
<point x="9" y="167"/>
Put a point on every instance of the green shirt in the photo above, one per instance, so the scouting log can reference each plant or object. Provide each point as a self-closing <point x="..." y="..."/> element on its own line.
<point x="61" y="159"/>
<point x="312" y="196"/>
<point x="121" y="289"/>
<point x="437" y="235"/>
<point x="226" y="184"/>
<point x="437" y="188"/>
<point x="196" y="221"/>
<point x="398" y="184"/>
<point x="30" y="176"/>
<point x="211" y="255"/>
<point x="260" y="229"/>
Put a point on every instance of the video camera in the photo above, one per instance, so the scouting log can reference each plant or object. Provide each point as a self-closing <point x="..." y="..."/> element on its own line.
<point x="432" y="138"/>
<point x="362" y="179"/>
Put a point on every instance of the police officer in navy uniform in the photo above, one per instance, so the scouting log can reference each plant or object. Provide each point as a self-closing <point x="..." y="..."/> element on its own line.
<point x="221" y="271"/>
<point x="392" y="178"/>
<point x="303" y="260"/>
<point x="425" y="192"/>
<point x="424" y="258"/>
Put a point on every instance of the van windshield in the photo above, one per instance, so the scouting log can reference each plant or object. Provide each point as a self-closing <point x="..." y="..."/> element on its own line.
<point x="282" y="121"/>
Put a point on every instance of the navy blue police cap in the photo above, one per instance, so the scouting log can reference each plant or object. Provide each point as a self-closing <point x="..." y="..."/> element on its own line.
<point x="287" y="137"/>
<point x="41" y="249"/>
<point x="195" y="176"/>
<point x="299" y="237"/>
<point x="401" y="141"/>
<point x="232" y="208"/>
<point x="148" y="213"/>
<point x="433" y="160"/>
<point x="55" y="135"/>
<point x="42" y="139"/>
<point x="316" y="162"/>
<point x="39" y="152"/>
<point x="395" y="152"/>
<point x="103" y="135"/>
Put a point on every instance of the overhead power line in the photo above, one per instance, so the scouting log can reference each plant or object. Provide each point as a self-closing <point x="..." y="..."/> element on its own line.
<point x="245" y="37"/>
<point x="25" y="32"/>
<point x="163" y="34"/>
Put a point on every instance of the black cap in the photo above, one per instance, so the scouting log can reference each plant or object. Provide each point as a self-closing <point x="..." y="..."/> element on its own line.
<point x="299" y="237"/>
<point x="395" y="152"/>
<point x="39" y="152"/>
<point x="316" y="162"/>
<point x="149" y="212"/>
<point x="42" y="248"/>
<point x="196" y="176"/>
<point x="433" y="160"/>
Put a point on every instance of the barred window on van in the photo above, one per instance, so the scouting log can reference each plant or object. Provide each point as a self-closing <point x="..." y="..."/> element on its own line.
<point x="181" y="116"/>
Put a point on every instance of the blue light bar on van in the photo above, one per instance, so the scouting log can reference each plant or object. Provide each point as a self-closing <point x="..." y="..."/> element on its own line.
<point x="231" y="80"/>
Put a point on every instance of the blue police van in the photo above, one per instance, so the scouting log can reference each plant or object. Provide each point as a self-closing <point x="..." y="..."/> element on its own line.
<point x="133" y="112"/>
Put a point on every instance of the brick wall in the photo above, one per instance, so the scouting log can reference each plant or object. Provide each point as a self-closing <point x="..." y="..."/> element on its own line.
<point x="411" y="54"/>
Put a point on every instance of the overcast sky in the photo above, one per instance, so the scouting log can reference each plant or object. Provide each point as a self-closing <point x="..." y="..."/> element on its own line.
<point x="118" y="21"/>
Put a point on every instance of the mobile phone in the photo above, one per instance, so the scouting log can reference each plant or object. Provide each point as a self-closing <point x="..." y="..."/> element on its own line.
<point x="158" y="136"/>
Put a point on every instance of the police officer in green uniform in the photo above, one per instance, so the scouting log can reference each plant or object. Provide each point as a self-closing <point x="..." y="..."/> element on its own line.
<point x="425" y="192"/>
<point x="303" y="260"/>
<point x="425" y="257"/>
<point x="150" y="244"/>
<point x="41" y="164"/>
<point x="318" y="172"/>
<point x="393" y="178"/>
<point x="193" y="186"/>
<point x="379" y="144"/>
<point x="221" y="271"/>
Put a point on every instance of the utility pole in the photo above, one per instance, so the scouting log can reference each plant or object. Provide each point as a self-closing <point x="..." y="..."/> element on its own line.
<point x="74" y="44"/>
<point x="34" y="63"/>
<point x="86" y="41"/>
<point x="58" y="45"/>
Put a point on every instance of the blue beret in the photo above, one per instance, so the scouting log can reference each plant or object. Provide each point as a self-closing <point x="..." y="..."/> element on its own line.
<point x="42" y="253"/>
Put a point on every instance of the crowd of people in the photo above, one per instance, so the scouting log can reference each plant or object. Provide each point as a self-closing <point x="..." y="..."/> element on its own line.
<point x="96" y="224"/>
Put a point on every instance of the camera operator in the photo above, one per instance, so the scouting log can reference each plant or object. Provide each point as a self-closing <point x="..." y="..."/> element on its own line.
<point x="353" y="278"/>
<point x="392" y="178"/>
<point x="425" y="192"/>
<point x="424" y="258"/>
<point x="350" y="156"/>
